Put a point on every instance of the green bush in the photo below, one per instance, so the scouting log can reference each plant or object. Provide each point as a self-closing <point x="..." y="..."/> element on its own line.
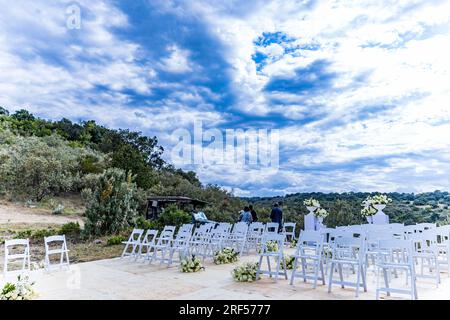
<point x="111" y="205"/>
<point x="114" y="240"/>
<point x="71" y="229"/>
<point x="174" y="217"/>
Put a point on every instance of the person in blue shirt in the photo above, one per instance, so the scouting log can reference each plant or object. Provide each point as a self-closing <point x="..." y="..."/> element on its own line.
<point x="246" y="215"/>
<point x="277" y="215"/>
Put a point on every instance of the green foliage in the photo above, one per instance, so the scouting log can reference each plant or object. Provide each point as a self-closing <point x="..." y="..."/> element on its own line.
<point x="36" y="167"/>
<point x="289" y="263"/>
<point x="36" y="234"/>
<point x="111" y="205"/>
<point x="191" y="264"/>
<point x="174" y="216"/>
<point x="71" y="229"/>
<point x="115" y="240"/>
<point x="226" y="255"/>
<point x="245" y="272"/>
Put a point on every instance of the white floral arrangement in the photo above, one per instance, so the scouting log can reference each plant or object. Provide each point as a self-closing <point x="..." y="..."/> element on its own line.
<point x="368" y="211"/>
<point x="311" y="203"/>
<point x="327" y="253"/>
<point x="191" y="264"/>
<point x="293" y="244"/>
<point x="289" y="263"/>
<point x="21" y="290"/>
<point x="320" y="213"/>
<point x="377" y="199"/>
<point x="245" y="272"/>
<point x="226" y="255"/>
<point x="271" y="246"/>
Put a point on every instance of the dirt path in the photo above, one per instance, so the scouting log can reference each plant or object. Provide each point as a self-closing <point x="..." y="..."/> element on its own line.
<point x="15" y="214"/>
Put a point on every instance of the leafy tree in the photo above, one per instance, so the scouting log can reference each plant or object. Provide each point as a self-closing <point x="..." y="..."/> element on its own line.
<point x="22" y="115"/>
<point x="111" y="204"/>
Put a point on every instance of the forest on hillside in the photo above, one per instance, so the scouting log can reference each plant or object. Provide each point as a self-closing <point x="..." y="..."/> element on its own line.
<point x="345" y="208"/>
<point x="114" y="172"/>
<point x="41" y="159"/>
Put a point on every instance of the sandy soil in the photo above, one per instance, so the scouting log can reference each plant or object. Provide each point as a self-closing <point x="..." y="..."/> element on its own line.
<point x="17" y="214"/>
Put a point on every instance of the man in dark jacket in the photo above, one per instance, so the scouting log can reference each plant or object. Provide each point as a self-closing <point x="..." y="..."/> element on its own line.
<point x="253" y="212"/>
<point x="277" y="215"/>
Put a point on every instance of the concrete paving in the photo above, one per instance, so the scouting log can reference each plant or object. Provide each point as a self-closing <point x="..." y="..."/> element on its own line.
<point x="127" y="279"/>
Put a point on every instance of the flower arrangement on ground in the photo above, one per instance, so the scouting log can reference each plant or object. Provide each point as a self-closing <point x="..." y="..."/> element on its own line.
<point x="311" y="203"/>
<point x="289" y="263"/>
<point x="327" y="253"/>
<point x="21" y="290"/>
<point x="191" y="264"/>
<point x="293" y="244"/>
<point x="226" y="255"/>
<point x="271" y="246"/>
<point x="245" y="272"/>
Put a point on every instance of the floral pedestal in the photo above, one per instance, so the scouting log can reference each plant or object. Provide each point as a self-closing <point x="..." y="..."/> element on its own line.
<point x="318" y="223"/>
<point x="369" y="219"/>
<point x="310" y="219"/>
<point x="380" y="217"/>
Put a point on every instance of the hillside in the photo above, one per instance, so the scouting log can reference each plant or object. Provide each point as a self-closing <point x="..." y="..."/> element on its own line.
<point x="344" y="208"/>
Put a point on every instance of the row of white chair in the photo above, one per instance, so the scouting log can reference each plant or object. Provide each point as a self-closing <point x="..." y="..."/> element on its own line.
<point x="203" y="241"/>
<point x="391" y="249"/>
<point x="19" y="249"/>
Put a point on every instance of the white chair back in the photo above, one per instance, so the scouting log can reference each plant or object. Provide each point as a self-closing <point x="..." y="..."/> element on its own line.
<point x="23" y="253"/>
<point x="61" y="250"/>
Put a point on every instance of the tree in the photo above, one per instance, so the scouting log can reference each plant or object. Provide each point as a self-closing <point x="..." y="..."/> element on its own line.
<point x="3" y="111"/>
<point x="111" y="203"/>
<point x="23" y="115"/>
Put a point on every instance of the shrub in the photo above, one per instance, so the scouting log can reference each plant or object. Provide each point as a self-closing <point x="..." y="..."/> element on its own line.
<point x="111" y="206"/>
<point x="59" y="209"/>
<point x="114" y="240"/>
<point x="71" y="229"/>
<point x="174" y="216"/>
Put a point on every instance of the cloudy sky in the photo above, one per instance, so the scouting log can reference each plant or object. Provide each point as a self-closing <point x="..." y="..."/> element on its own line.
<point x="359" y="90"/>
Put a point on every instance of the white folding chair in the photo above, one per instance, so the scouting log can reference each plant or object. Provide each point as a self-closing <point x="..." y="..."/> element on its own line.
<point x="310" y="253"/>
<point x="133" y="242"/>
<point x="180" y="244"/>
<point x="163" y="245"/>
<point x="289" y="231"/>
<point x="254" y="235"/>
<point x="13" y="253"/>
<point x="148" y="241"/>
<point x="443" y="245"/>
<point x="277" y="255"/>
<point x="238" y="237"/>
<point x="271" y="227"/>
<point x="199" y="242"/>
<point x="426" y="251"/>
<point x="387" y="261"/>
<point x="61" y="249"/>
<point x="348" y="251"/>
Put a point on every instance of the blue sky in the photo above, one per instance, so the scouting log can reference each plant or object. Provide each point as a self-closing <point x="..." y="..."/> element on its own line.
<point x="358" y="90"/>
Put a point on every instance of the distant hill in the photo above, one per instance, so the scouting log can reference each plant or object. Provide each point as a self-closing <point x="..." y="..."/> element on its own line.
<point x="344" y="208"/>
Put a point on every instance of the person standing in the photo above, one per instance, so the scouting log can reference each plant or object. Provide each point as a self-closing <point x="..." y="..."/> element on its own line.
<point x="245" y="216"/>
<point x="253" y="212"/>
<point x="277" y="215"/>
